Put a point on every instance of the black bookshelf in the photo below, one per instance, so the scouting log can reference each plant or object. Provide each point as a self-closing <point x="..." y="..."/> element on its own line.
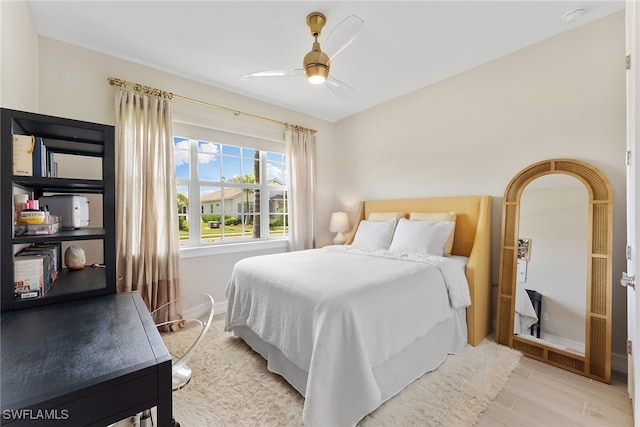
<point x="66" y="136"/>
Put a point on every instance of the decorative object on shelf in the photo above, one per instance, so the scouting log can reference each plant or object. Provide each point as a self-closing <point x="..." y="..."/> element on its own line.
<point x="19" y="204"/>
<point x="32" y="216"/>
<point x="74" y="258"/>
<point x="51" y="226"/>
<point x="339" y="224"/>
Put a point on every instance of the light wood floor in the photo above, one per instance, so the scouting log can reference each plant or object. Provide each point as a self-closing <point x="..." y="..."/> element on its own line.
<point x="539" y="394"/>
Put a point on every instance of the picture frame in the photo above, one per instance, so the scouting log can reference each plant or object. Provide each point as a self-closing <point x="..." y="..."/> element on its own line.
<point x="524" y="248"/>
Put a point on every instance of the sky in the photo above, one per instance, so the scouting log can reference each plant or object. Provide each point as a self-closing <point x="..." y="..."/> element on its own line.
<point x="222" y="163"/>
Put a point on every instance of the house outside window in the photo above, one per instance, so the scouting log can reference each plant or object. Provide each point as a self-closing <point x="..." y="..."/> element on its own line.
<point x="240" y="193"/>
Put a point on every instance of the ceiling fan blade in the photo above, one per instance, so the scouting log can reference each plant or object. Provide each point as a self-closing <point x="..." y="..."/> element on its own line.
<point x="342" y="36"/>
<point x="341" y="89"/>
<point x="276" y="73"/>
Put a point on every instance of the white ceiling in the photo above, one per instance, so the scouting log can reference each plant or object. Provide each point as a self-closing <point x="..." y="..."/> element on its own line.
<point x="403" y="46"/>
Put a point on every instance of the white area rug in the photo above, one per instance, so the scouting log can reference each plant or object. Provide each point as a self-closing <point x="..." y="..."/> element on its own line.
<point x="232" y="387"/>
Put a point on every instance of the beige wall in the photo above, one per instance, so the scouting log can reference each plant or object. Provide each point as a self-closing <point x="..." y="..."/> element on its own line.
<point x="468" y="134"/>
<point x="18" y="57"/>
<point x="471" y="133"/>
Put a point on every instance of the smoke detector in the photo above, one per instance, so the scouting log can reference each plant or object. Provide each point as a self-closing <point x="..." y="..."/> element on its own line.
<point x="573" y="15"/>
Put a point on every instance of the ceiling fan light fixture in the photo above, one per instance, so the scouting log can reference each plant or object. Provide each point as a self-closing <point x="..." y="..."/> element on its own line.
<point x="317" y="74"/>
<point x="316" y="21"/>
<point x="316" y="65"/>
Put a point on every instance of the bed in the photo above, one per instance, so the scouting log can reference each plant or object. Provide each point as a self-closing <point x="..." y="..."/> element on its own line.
<point x="349" y="327"/>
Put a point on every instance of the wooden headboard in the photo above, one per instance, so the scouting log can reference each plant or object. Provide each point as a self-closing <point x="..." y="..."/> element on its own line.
<point x="472" y="238"/>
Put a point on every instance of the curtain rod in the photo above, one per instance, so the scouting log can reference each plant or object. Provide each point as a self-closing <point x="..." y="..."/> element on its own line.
<point x="113" y="81"/>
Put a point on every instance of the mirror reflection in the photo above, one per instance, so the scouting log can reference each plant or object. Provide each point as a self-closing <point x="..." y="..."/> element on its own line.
<point x="553" y="239"/>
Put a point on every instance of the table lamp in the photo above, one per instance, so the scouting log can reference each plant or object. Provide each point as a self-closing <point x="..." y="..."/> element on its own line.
<point x="339" y="224"/>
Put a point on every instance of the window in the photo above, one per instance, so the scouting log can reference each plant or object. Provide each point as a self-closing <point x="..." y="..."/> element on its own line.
<point x="229" y="194"/>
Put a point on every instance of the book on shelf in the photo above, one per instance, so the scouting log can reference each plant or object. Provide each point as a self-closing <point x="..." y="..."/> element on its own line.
<point x="44" y="164"/>
<point x="35" y="269"/>
<point x="23" y="146"/>
<point x="39" y="158"/>
<point x="31" y="157"/>
<point x="53" y="251"/>
<point x="52" y="165"/>
<point x="28" y="276"/>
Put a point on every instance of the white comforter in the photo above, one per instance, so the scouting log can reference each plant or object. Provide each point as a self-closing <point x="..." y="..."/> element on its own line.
<point x="338" y="312"/>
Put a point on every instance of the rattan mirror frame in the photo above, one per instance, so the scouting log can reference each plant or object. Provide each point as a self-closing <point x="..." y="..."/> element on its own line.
<point x="596" y="363"/>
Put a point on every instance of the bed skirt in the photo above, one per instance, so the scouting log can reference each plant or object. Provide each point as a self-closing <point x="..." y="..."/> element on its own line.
<point x="422" y="356"/>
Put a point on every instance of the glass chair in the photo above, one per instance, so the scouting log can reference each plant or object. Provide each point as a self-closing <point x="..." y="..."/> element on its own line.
<point x="182" y="323"/>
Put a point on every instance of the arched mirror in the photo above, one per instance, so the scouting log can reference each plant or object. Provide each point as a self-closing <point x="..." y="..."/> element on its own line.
<point x="554" y="298"/>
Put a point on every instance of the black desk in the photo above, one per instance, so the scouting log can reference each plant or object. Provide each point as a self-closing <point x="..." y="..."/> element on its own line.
<point x="89" y="362"/>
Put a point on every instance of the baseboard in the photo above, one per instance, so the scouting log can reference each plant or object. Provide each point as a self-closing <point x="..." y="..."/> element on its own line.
<point x="570" y="345"/>
<point x="619" y="362"/>
<point x="219" y="307"/>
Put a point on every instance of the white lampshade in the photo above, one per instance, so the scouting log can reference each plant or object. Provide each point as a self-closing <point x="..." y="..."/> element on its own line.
<point x="339" y="224"/>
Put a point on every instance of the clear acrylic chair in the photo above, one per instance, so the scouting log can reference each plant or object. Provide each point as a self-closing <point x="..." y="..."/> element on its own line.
<point x="183" y="323"/>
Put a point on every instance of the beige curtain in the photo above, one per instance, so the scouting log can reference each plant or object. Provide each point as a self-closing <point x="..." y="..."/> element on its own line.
<point x="301" y="148"/>
<point x="147" y="247"/>
<point x="632" y="32"/>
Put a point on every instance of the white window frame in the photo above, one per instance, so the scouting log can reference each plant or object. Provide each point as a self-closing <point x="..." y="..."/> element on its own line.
<point x="194" y="247"/>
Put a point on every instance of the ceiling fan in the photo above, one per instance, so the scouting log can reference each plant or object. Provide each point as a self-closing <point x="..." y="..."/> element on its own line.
<point x="316" y="63"/>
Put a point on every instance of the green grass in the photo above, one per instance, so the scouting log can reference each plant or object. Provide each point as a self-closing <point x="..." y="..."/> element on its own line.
<point x="230" y="231"/>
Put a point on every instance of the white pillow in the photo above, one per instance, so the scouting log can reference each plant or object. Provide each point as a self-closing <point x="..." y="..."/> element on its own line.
<point x="374" y="234"/>
<point x="422" y="237"/>
<point x="438" y="216"/>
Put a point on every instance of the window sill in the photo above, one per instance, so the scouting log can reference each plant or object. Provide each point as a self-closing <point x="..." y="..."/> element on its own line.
<point x="201" y="251"/>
